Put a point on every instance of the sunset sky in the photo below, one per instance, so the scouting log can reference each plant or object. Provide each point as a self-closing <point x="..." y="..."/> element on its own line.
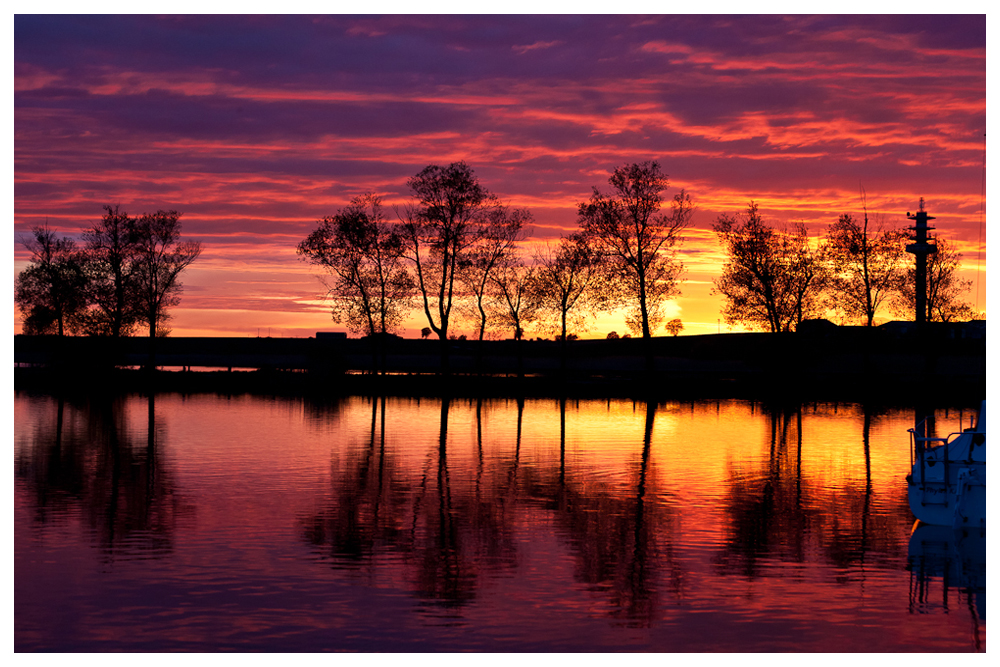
<point x="256" y="127"/>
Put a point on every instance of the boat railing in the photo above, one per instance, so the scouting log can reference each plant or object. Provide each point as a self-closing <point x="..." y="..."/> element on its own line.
<point x="922" y="443"/>
<point x="932" y="458"/>
<point x="919" y="442"/>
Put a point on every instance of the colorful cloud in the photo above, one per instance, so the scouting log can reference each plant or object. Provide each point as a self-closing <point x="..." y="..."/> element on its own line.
<point x="256" y="127"/>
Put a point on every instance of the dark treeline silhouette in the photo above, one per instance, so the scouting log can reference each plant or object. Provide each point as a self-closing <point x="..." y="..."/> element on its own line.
<point x="818" y="362"/>
<point x="455" y="252"/>
<point x="464" y="264"/>
<point x="774" y="278"/>
<point x="125" y="276"/>
<point x="464" y="261"/>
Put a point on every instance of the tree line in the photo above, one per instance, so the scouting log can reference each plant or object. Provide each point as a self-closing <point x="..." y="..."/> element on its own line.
<point x="123" y="278"/>
<point x="454" y="252"/>
<point x="774" y="277"/>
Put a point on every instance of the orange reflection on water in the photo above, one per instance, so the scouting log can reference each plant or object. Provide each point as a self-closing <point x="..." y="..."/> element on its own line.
<point x="551" y="522"/>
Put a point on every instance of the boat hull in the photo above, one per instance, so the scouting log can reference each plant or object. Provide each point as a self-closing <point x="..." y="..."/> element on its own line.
<point x="947" y="485"/>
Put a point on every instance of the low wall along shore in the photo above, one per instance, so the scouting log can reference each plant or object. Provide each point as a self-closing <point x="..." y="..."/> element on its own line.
<point x="895" y="360"/>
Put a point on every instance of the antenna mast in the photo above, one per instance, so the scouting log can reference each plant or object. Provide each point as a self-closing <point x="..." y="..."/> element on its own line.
<point x="920" y="248"/>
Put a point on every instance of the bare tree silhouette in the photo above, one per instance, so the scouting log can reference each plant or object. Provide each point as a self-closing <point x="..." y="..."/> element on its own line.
<point x="52" y="292"/>
<point x="112" y="262"/>
<point x="637" y="242"/>
<point x="866" y="261"/>
<point x="568" y="282"/>
<point x="771" y="279"/>
<point x="160" y="258"/>
<point x="363" y="253"/>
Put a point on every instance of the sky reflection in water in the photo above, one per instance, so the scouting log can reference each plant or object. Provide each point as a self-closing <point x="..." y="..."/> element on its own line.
<point x="209" y="522"/>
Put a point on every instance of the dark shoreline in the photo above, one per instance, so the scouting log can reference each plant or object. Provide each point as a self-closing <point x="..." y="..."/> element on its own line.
<point x="282" y="383"/>
<point x="884" y="365"/>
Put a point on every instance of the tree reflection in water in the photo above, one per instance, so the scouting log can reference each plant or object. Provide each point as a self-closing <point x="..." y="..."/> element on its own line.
<point x="448" y="536"/>
<point x="355" y="518"/>
<point x="620" y="541"/>
<point x="88" y="459"/>
<point x="544" y="521"/>
<point x="445" y="538"/>
<point x="447" y="573"/>
<point x="776" y="514"/>
<point x="447" y="532"/>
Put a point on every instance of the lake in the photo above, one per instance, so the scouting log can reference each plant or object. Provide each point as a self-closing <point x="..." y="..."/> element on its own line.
<point x="208" y="522"/>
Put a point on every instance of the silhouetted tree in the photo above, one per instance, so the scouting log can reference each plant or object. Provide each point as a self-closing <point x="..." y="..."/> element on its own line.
<point x="637" y="241"/>
<point x="160" y="258"/>
<point x="866" y="263"/>
<point x="771" y="279"/>
<point x="675" y="326"/>
<point x="568" y="283"/>
<point x="500" y="229"/>
<point x="111" y="254"/>
<point x="944" y="288"/>
<point x="52" y="292"/>
<point x="440" y="230"/>
<point x="512" y="282"/>
<point x="363" y="253"/>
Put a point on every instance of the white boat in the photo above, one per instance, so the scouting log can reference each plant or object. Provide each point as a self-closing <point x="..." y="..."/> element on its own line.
<point x="947" y="484"/>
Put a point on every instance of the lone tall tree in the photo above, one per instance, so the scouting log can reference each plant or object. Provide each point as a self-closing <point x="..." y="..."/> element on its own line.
<point x="772" y="279"/>
<point x="111" y="251"/>
<point x="363" y="254"/>
<point x="52" y="293"/>
<point x="637" y="241"/>
<point x="160" y="258"/>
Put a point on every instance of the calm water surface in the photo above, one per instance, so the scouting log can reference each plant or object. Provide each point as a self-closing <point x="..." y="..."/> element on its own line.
<point x="249" y="523"/>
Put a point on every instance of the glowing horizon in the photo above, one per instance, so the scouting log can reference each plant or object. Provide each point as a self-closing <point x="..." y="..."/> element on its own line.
<point x="259" y="126"/>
